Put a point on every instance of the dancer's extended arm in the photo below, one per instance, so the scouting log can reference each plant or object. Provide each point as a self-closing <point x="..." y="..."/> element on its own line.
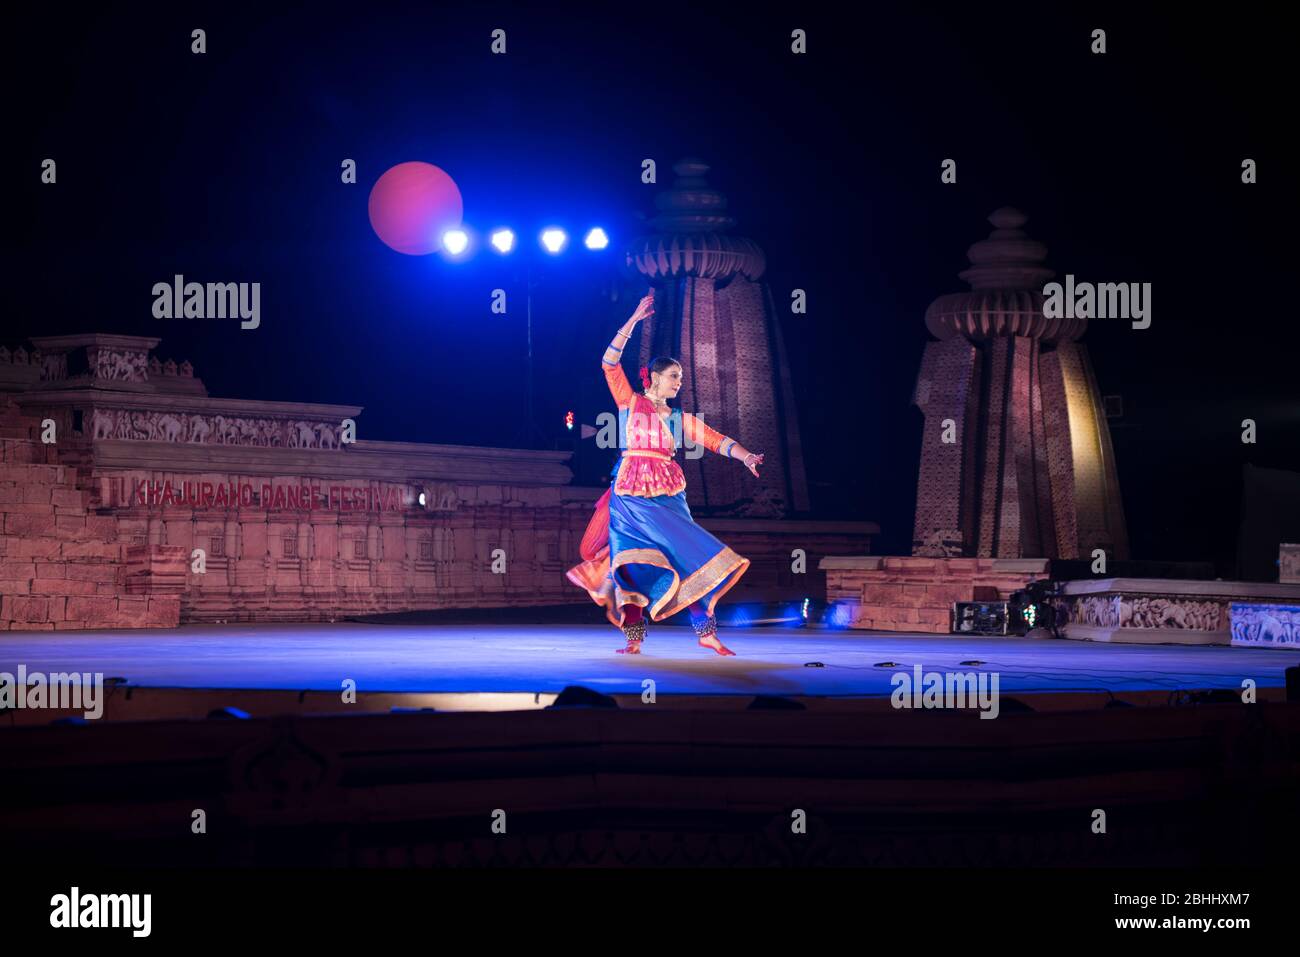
<point x="619" y="387"/>
<point x="697" y="433"/>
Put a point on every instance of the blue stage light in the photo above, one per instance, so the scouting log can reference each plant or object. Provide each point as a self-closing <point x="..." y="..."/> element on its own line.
<point x="838" y="615"/>
<point x="503" y="240"/>
<point x="455" y="241"/>
<point x="554" y="239"/>
<point x="596" y="239"/>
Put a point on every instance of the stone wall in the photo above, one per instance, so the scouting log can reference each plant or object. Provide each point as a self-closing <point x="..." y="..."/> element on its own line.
<point x="79" y="550"/>
<point x="62" y="565"/>
<point x="917" y="594"/>
<point x="155" y="503"/>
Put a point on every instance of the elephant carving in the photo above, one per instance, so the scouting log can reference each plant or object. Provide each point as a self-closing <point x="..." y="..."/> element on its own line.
<point x="199" y="428"/>
<point x="301" y="435"/>
<point x="103" y="424"/>
<point x="170" y="428"/>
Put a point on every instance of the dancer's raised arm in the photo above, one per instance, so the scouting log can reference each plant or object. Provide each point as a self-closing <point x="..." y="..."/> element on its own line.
<point x="697" y="433"/>
<point x="619" y="387"/>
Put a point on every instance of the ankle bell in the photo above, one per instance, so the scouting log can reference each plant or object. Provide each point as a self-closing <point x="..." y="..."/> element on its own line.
<point x="705" y="627"/>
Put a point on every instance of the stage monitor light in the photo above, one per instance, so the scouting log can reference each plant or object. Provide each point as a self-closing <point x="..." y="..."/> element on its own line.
<point x="554" y="239"/>
<point x="503" y="240"/>
<point x="596" y="239"/>
<point x="455" y="241"/>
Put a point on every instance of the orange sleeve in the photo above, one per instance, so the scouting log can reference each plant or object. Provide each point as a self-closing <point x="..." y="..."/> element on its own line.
<point x="619" y="387"/>
<point x="697" y="433"/>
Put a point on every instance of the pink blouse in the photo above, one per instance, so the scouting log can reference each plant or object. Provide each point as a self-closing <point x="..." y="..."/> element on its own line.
<point x="648" y="467"/>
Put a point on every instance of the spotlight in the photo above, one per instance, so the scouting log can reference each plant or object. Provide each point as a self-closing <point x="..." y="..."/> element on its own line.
<point x="554" y="239"/>
<point x="422" y="500"/>
<point x="503" y="240"/>
<point x="455" y="241"/>
<point x="596" y="239"/>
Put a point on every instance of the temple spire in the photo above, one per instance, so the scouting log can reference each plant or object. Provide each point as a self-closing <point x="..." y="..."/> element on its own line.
<point x="715" y="316"/>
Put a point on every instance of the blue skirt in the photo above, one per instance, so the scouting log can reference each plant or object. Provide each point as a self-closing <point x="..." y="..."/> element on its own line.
<point x="661" y="560"/>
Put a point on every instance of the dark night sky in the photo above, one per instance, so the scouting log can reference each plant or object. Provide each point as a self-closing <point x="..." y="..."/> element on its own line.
<point x="225" y="167"/>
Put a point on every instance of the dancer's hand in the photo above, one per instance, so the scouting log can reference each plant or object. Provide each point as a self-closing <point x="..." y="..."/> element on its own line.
<point x="753" y="461"/>
<point x="645" y="308"/>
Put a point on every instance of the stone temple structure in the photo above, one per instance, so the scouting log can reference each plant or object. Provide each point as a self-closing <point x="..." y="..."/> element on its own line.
<point x="1025" y="469"/>
<point x="1016" y="461"/>
<point x="714" y="314"/>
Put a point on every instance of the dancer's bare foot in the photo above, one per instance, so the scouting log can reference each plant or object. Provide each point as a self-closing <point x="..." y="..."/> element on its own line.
<point x="719" y="647"/>
<point x="707" y="631"/>
<point x="635" y="632"/>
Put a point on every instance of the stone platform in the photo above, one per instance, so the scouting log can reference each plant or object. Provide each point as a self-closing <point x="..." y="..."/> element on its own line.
<point x="1184" y="612"/>
<point x="915" y="594"/>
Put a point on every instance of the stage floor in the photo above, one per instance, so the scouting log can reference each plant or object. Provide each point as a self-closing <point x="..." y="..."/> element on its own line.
<point x="544" y="659"/>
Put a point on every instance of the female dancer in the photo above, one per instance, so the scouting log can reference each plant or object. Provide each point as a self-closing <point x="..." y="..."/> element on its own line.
<point x="642" y="547"/>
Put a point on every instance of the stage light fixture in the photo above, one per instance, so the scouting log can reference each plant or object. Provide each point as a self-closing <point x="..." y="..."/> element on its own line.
<point x="503" y="240"/>
<point x="455" y="241"/>
<point x="553" y="239"/>
<point x="421" y="499"/>
<point x="596" y="239"/>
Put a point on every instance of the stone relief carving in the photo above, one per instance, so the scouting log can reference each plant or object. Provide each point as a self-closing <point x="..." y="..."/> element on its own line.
<point x="327" y="436"/>
<point x="764" y="503"/>
<point x="1288" y="560"/>
<point x="1148" y="611"/>
<point x="118" y="365"/>
<point x="200" y="428"/>
<point x="169" y="428"/>
<point x="301" y="435"/>
<point x="445" y="498"/>
<point x="1265" y="624"/>
<point x="212" y="429"/>
<point x="941" y="543"/>
<point x="103" y="425"/>
<point x="54" y="368"/>
<point x="1096" y="610"/>
<point x="226" y="430"/>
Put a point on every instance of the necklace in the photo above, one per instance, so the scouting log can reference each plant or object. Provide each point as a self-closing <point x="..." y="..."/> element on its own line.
<point x="661" y="405"/>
